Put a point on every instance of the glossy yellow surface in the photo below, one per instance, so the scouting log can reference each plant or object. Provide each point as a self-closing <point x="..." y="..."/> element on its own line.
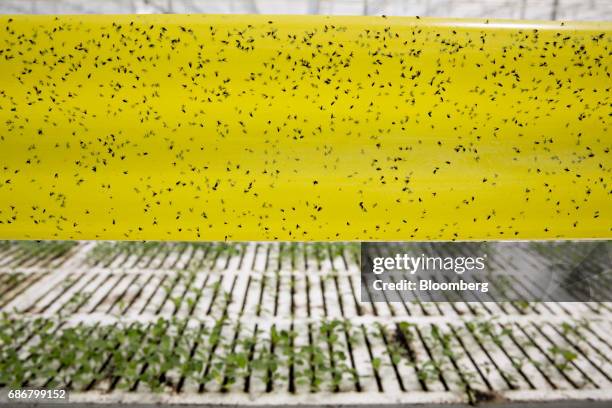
<point x="303" y="128"/>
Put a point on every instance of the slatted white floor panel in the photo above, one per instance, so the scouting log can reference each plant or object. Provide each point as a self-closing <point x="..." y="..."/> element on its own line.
<point x="280" y="298"/>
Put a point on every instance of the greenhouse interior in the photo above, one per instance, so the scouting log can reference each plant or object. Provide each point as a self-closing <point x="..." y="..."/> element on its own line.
<point x="127" y="316"/>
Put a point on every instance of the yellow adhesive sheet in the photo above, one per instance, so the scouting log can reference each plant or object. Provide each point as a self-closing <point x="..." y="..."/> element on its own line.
<point x="204" y="127"/>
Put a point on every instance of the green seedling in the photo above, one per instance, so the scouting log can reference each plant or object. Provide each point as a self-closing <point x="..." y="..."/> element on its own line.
<point x="562" y="357"/>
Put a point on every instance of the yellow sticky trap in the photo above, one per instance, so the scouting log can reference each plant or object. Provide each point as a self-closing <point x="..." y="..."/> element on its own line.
<point x="175" y="127"/>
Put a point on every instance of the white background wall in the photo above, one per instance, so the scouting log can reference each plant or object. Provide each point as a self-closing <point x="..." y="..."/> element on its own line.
<point x="528" y="9"/>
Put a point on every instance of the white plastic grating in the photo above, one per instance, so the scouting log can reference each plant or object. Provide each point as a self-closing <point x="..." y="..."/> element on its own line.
<point x="417" y="352"/>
